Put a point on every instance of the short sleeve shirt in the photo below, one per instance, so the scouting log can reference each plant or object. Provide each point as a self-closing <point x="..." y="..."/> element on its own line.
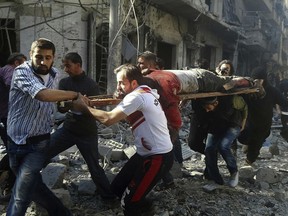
<point x="28" y="116"/>
<point x="148" y="122"/>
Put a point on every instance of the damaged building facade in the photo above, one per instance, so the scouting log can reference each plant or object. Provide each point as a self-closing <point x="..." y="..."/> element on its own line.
<point x="108" y="33"/>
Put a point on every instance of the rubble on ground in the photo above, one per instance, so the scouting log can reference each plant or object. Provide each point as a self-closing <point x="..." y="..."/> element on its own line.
<point x="262" y="188"/>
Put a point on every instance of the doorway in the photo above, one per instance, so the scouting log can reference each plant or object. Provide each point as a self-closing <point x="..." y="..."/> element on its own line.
<point x="166" y="52"/>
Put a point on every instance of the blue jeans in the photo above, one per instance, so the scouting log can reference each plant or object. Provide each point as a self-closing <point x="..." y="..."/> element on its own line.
<point x="26" y="161"/>
<point x="63" y="139"/>
<point x="222" y="143"/>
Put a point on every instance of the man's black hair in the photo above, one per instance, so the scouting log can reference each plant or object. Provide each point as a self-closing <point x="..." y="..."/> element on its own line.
<point x="43" y="43"/>
<point x="208" y="100"/>
<point x="149" y="56"/>
<point x="73" y="57"/>
<point x="259" y="72"/>
<point x="15" y="57"/>
<point x="226" y="61"/>
<point x="131" y="72"/>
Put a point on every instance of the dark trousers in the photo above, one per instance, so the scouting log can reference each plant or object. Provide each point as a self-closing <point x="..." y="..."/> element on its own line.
<point x="63" y="139"/>
<point x="284" y="130"/>
<point x="254" y="139"/>
<point x="197" y="134"/>
<point x="137" y="178"/>
<point x="3" y="131"/>
<point x="4" y="163"/>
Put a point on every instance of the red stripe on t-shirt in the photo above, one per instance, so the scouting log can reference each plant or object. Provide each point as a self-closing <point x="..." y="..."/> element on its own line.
<point x="138" y="123"/>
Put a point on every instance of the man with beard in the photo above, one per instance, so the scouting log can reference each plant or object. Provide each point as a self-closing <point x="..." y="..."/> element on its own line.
<point x="29" y="126"/>
<point x="153" y="157"/>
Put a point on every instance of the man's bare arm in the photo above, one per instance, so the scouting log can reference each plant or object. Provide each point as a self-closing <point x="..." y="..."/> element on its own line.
<point x="106" y="118"/>
<point x="53" y="95"/>
<point x="238" y="82"/>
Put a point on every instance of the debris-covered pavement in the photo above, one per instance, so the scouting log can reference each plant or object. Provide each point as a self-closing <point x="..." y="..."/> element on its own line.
<point x="262" y="188"/>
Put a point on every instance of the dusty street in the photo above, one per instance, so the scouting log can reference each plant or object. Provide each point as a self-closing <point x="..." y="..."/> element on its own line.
<point x="262" y="188"/>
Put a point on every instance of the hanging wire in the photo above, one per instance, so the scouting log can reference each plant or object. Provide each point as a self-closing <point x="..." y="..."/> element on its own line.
<point x="7" y="32"/>
<point x="123" y="23"/>
<point x="137" y="28"/>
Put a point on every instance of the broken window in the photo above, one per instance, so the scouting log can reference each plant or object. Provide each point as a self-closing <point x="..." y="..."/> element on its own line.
<point x="7" y="39"/>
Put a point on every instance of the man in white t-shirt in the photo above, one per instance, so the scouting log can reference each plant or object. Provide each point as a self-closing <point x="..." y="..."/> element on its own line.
<point x="153" y="158"/>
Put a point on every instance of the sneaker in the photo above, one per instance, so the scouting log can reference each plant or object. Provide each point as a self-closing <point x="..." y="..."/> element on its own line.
<point x="211" y="187"/>
<point x="234" y="179"/>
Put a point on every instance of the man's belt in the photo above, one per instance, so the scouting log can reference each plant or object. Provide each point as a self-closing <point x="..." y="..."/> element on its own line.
<point x="38" y="138"/>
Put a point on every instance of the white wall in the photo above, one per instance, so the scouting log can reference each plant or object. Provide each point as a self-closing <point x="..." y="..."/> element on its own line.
<point x="66" y="27"/>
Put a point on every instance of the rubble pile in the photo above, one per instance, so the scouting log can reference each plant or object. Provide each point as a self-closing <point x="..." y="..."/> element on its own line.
<point x="262" y="189"/>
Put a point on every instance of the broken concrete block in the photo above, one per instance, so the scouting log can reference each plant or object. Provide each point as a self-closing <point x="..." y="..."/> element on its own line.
<point x="267" y="175"/>
<point x="274" y="149"/>
<point x="53" y="175"/>
<point x="61" y="159"/>
<point x="117" y="154"/>
<point x="130" y="151"/>
<point x="86" y="186"/>
<point x="64" y="196"/>
<point x="247" y="172"/>
<point x="265" y="153"/>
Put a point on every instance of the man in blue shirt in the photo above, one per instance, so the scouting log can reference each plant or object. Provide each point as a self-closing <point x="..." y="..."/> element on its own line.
<point x="29" y="125"/>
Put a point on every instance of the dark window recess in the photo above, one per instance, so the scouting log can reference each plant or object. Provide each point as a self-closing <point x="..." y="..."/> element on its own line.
<point x="7" y="24"/>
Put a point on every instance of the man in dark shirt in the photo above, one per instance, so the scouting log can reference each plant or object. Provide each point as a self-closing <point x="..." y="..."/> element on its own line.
<point x="80" y="129"/>
<point x="260" y="113"/>
<point x="283" y="87"/>
<point x="6" y="73"/>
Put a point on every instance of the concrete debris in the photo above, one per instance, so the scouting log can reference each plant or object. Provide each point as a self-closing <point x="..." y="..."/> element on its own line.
<point x="130" y="151"/>
<point x="262" y="188"/>
<point x="267" y="175"/>
<point x="84" y="186"/>
<point x="53" y="175"/>
<point x="274" y="149"/>
<point x="247" y="172"/>
<point x="265" y="152"/>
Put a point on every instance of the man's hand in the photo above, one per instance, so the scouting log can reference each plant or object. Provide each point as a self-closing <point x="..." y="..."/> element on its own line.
<point x="258" y="83"/>
<point x="81" y="104"/>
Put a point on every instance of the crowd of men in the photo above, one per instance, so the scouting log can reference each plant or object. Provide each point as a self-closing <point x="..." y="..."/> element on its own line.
<point x="150" y="103"/>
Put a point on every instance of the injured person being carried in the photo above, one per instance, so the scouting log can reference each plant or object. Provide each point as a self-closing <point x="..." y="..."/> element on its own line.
<point x="199" y="80"/>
